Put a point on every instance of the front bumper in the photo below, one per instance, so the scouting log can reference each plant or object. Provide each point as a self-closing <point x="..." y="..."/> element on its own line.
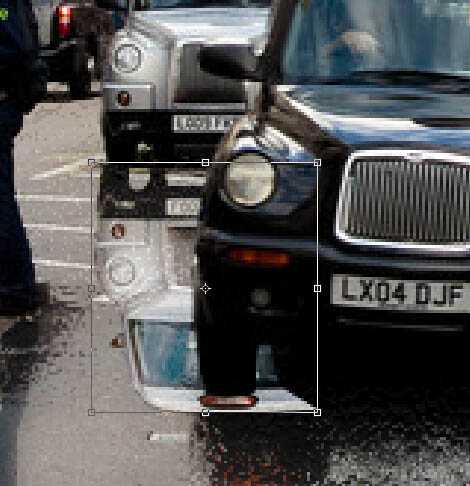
<point x="292" y="287"/>
<point x="59" y="60"/>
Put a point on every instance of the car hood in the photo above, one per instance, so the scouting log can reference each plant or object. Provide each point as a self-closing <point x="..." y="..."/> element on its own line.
<point x="204" y="23"/>
<point x="368" y="114"/>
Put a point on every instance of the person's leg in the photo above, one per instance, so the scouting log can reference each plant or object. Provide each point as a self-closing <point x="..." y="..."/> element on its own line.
<point x="16" y="267"/>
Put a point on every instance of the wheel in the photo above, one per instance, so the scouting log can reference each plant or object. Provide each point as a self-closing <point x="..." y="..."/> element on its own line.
<point x="227" y="355"/>
<point x="80" y="82"/>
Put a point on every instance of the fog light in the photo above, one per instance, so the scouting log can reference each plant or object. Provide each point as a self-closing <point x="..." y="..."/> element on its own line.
<point x="268" y="258"/>
<point x="124" y="98"/>
<point x="118" y="231"/>
<point x="214" y="401"/>
<point x="260" y="298"/>
<point x="139" y="178"/>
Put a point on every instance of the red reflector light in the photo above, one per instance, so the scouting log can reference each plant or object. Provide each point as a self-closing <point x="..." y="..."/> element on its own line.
<point x="64" y="16"/>
<point x="124" y="98"/>
<point x="118" y="341"/>
<point x="259" y="257"/>
<point x="118" y="231"/>
<point x="214" y="401"/>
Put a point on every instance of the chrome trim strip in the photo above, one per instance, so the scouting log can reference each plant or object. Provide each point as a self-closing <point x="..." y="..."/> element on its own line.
<point x="416" y="157"/>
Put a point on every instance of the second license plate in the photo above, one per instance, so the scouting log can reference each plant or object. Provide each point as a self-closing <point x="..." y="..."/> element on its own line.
<point x="403" y="295"/>
<point x="184" y="206"/>
<point x="202" y="123"/>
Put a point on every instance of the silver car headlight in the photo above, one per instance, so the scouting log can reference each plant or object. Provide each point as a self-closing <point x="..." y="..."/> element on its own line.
<point x="127" y="58"/>
<point x="250" y="180"/>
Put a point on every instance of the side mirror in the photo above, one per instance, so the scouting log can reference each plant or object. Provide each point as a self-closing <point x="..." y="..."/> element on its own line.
<point x="235" y="62"/>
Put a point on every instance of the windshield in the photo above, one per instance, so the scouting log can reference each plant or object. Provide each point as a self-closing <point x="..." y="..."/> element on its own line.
<point x="162" y="4"/>
<point x="336" y="38"/>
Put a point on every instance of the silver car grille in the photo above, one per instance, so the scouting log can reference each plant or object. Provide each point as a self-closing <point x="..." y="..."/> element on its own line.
<point x="406" y="199"/>
<point x="192" y="85"/>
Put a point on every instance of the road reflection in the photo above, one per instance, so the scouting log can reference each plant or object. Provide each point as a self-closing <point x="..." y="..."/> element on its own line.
<point x="383" y="427"/>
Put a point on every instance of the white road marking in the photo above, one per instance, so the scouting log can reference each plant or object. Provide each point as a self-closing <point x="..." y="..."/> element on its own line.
<point x="56" y="227"/>
<point x="84" y="175"/>
<point x="64" y="169"/>
<point x="101" y="298"/>
<point x="51" y="198"/>
<point x="60" y="264"/>
<point x="180" y="438"/>
<point x="68" y="169"/>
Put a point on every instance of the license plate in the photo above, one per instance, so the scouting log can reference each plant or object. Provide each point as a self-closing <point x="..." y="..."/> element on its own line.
<point x="401" y="295"/>
<point x="186" y="206"/>
<point x="202" y="123"/>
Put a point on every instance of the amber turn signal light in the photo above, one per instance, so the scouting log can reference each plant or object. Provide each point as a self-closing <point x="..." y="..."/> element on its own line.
<point x="268" y="258"/>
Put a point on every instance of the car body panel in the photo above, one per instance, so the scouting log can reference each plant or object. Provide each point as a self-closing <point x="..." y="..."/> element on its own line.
<point x="300" y="125"/>
<point x="162" y="34"/>
<point x="169" y="42"/>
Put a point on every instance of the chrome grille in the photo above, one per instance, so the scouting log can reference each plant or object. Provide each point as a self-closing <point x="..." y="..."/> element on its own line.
<point x="196" y="86"/>
<point x="396" y="198"/>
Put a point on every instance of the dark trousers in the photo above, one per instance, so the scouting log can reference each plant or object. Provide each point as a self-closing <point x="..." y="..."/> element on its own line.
<point x="16" y="267"/>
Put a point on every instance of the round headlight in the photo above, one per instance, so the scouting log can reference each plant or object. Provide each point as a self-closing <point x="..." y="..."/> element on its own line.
<point x="127" y="58"/>
<point x="249" y="180"/>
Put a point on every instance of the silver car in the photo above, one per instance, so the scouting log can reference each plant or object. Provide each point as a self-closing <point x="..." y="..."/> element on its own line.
<point x="154" y="92"/>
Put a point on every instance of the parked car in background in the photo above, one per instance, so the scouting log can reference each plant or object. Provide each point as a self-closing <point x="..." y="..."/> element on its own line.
<point x="153" y="89"/>
<point x="372" y="116"/>
<point x="71" y="36"/>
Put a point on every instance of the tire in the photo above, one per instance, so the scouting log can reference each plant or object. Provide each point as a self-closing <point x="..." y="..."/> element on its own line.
<point x="227" y="356"/>
<point x="296" y="364"/>
<point x="80" y="82"/>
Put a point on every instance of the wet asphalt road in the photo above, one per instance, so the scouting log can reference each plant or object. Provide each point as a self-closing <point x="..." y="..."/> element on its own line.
<point x="405" y="429"/>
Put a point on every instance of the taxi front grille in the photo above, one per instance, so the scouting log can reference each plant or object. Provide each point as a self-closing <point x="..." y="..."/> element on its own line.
<point x="193" y="85"/>
<point x="407" y="199"/>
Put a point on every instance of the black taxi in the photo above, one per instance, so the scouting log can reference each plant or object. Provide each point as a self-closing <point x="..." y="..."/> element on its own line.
<point x="343" y="202"/>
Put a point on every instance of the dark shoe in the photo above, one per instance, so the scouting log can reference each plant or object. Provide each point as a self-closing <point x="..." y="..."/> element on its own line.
<point x="23" y="334"/>
<point x="21" y="303"/>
